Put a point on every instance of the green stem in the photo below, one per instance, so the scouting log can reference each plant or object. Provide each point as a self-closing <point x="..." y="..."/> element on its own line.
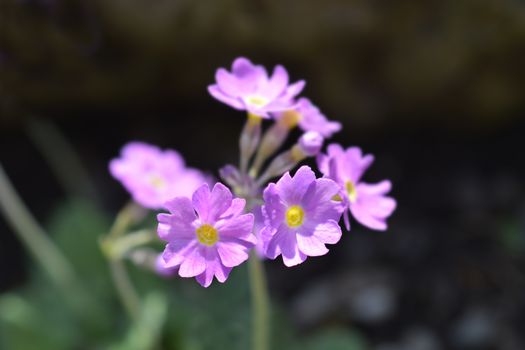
<point x="118" y="248"/>
<point x="34" y="237"/>
<point x="125" y="289"/>
<point x="125" y="218"/>
<point x="260" y="303"/>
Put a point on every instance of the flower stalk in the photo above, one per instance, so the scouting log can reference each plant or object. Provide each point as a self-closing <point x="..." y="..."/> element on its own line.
<point x="249" y="140"/>
<point x="114" y="246"/>
<point x="272" y="140"/>
<point x="260" y="303"/>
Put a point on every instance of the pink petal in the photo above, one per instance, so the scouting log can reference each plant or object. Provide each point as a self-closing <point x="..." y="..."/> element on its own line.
<point x="372" y="211"/>
<point x="320" y="193"/>
<point x="293" y="90"/>
<point x="346" y="219"/>
<point x="235" y="209"/>
<point x="322" y="163"/>
<point x="273" y="239"/>
<point x="180" y="221"/>
<point x="328" y="232"/>
<point x="231" y="254"/>
<point x="164" y="227"/>
<point x="213" y="268"/>
<point x="290" y="251"/>
<point x="205" y="278"/>
<point x="218" y="94"/>
<point x="293" y="189"/>
<point x="242" y="66"/>
<point x="177" y="251"/>
<point x="181" y="209"/>
<point x="239" y="227"/>
<point x="222" y="272"/>
<point x="250" y="76"/>
<point x="219" y="201"/>
<point x="228" y="83"/>
<point x="193" y="264"/>
<point x="276" y="84"/>
<point x="201" y="201"/>
<point x="273" y="209"/>
<point x="380" y="188"/>
<point x="310" y="245"/>
<point x="356" y="163"/>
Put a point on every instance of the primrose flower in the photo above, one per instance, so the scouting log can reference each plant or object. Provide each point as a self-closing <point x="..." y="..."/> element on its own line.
<point x="368" y="203"/>
<point x="153" y="176"/>
<point x="309" y="118"/>
<point x="208" y="235"/>
<point x="300" y="217"/>
<point x="248" y="87"/>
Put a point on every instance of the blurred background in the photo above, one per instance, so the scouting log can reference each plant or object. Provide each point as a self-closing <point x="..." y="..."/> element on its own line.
<point x="434" y="89"/>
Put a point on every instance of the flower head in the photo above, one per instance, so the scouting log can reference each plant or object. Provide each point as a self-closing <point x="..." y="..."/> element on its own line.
<point x="309" y="118"/>
<point x="300" y="217"/>
<point x="368" y="203"/>
<point x="208" y="235"/>
<point x="248" y="87"/>
<point x="153" y="176"/>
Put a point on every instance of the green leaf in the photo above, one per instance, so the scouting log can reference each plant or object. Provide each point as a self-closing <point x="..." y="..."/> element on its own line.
<point x="336" y="339"/>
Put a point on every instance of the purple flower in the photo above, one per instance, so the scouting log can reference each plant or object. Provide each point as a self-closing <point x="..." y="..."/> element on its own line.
<point x="368" y="203"/>
<point x="208" y="235"/>
<point x="309" y="118"/>
<point x="300" y="217"/>
<point x="153" y="176"/>
<point x="248" y="87"/>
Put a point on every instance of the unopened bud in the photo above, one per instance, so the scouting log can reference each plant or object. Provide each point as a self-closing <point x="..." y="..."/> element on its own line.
<point x="311" y="143"/>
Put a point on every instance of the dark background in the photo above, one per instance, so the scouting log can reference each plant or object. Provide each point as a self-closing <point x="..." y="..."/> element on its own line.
<point x="434" y="89"/>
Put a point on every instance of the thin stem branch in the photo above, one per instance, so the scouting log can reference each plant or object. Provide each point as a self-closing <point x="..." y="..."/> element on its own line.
<point x="249" y="140"/>
<point x="120" y="247"/>
<point x="125" y="289"/>
<point x="260" y="303"/>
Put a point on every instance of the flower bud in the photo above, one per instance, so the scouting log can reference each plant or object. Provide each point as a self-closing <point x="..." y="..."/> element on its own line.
<point x="162" y="270"/>
<point x="311" y="143"/>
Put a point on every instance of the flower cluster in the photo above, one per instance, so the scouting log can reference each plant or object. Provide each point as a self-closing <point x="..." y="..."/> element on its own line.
<point x="210" y="231"/>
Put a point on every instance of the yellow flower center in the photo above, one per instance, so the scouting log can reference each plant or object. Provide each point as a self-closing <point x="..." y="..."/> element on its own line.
<point x="257" y="101"/>
<point x="207" y="235"/>
<point x="351" y="191"/>
<point x="337" y="198"/>
<point x="295" y="216"/>
<point x="290" y="119"/>
<point x="157" y="182"/>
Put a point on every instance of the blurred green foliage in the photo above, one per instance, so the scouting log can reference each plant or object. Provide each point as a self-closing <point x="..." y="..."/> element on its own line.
<point x="365" y="59"/>
<point x="177" y="314"/>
